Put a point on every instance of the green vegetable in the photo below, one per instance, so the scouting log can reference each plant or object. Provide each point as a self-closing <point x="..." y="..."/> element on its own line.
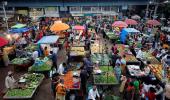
<point x="20" y="61"/>
<point x="102" y="79"/>
<point x="43" y="67"/>
<point x="106" y="68"/>
<point x="19" y="92"/>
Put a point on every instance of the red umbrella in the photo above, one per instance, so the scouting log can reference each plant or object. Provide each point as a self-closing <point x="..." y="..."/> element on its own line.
<point x="153" y="22"/>
<point x="119" y="24"/>
<point x="78" y="27"/>
<point x="3" y="41"/>
<point x="131" y="22"/>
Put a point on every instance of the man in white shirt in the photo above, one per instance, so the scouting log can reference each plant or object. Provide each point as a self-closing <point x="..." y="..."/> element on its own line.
<point x="35" y="55"/>
<point x="60" y="70"/>
<point x="140" y="54"/>
<point x="93" y="93"/>
<point x="10" y="81"/>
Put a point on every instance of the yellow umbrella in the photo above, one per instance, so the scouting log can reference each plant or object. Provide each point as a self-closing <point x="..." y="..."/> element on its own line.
<point x="59" y="26"/>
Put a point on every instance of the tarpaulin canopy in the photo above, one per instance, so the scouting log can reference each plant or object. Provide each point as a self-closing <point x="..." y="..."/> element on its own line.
<point x="125" y="32"/>
<point x="59" y="26"/>
<point x="153" y="22"/>
<point x="48" y="39"/>
<point x="78" y="27"/>
<point x="119" y="24"/>
<point x="131" y="22"/>
<point x="3" y="41"/>
<point x="19" y="30"/>
<point x="19" y="26"/>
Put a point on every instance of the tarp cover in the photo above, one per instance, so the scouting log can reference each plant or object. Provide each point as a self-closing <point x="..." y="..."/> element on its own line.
<point x="48" y="39"/>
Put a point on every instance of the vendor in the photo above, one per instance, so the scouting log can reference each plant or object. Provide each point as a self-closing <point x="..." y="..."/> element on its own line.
<point x="140" y="54"/>
<point x="61" y="69"/>
<point x="46" y="52"/>
<point x="10" y="81"/>
<point x="93" y="94"/>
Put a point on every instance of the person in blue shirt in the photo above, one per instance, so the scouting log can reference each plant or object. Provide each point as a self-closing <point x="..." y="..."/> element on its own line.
<point x="117" y="71"/>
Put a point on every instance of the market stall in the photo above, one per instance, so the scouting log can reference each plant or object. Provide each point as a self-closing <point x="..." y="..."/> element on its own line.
<point x="77" y="52"/>
<point x="135" y="71"/>
<point x="50" y="42"/>
<point x="127" y="31"/>
<point x="104" y="75"/>
<point x="72" y="80"/>
<point x="124" y="50"/>
<point x="26" y="87"/>
<point x="103" y="59"/>
<point x="21" y="63"/>
<point x="156" y="70"/>
<point x="41" y="65"/>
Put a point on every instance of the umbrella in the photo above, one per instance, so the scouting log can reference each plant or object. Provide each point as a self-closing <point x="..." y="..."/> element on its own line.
<point x="59" y="26"/>
<point x="19" y="30"/>
<point x="78" y="27"/>
<point x="18" y="26"/>
<point x="3" y="41"/>
<point x="135" y="17"/>
<point x="119" y="24"/>
<point x="153" y="22"/>
<point x="131" y="22"/>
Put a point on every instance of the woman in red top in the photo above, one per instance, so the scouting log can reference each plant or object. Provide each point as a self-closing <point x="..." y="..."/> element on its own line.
<point x="151" y="94"/>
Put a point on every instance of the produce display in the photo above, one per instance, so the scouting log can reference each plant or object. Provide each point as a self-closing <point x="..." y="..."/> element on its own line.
<point x="124" y="50"/>
<point x="20" y="61"/>
<point x="95" y="48"/>
<point x="77" y="51"/>
<point x="102" y="58"/>
<point x="41" y="65"/>
<point x="31" y="48"/>
<point x="111" y="35"/>
<point x="71" y="82"/>
<point x="134" y="70"/>
<point x="106" y="68"/>
<point x="107" y="78"/>
<point x="30" y="84"/>
<point x="78" y="44"/>
<point x="156" y="70"/>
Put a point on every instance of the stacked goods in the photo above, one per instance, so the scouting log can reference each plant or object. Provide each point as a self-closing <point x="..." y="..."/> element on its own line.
<point x="41" y="65"/>
<point x="111" y="35"/>
<point x="107" y="78"/>
<point x="157" y="70"/>
<point x="31" y="83"/>
<point x="31" y="48"/>
<point x="70" y="82"/>
<point x="77" y="51"/>
<point x="102" y="58"/>
<point x="131" y="58"/>
<point x="20" y="61"/>
<point x="95" y="48"/>
<point x="106" y="68"/>
<point x="152" y="60"/>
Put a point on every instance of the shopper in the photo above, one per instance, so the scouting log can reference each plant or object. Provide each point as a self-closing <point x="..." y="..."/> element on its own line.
<point x="10" y="82"/>
<point x="93" y="94"/>
<point x="60" y="91"/>
<point x="151" y="94"/>
<point x="130" y="91"/>
<point x="54" y="59"/>
<point x="83" y="76"/>
<point x="117" y="71"/>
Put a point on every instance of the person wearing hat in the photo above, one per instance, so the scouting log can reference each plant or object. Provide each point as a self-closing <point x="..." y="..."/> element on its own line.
<point x="10" y="81"/>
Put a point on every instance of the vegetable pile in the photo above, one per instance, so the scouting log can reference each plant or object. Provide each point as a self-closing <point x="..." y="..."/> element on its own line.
<point x="41" y="65"/>
<point x="102" y="58"/>
<point x="20" y="61"/>
<point x="32" y="81"/>
<point x="103" y="79"/>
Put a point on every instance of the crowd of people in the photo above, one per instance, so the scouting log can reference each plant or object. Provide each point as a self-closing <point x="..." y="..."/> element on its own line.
<point x="131" y="88"/>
